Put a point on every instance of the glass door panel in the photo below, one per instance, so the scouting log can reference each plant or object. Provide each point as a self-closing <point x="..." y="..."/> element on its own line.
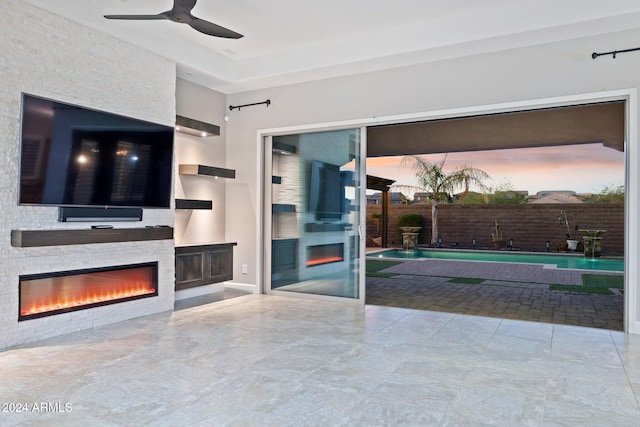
<point x="316" y="213"/>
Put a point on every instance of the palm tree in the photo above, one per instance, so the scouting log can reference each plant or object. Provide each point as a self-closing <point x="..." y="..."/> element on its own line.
<point x="432" y="178"/>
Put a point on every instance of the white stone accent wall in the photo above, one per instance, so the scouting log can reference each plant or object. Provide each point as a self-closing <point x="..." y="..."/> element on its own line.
<point x="288" y="225"/>
<point x="49" y="56"/>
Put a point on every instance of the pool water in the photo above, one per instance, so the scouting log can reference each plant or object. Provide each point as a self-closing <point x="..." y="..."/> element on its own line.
<point x="575" y="262"/>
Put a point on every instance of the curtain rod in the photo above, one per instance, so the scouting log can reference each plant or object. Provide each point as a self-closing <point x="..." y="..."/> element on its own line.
<point x="594" y="55"/>
<point x="233" y="107"/>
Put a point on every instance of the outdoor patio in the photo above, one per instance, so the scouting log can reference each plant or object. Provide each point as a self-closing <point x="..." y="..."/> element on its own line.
<point x="509" y="291"/>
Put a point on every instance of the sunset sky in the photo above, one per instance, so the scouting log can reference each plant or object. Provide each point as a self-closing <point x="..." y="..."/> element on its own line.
<point x="586" y="168"/>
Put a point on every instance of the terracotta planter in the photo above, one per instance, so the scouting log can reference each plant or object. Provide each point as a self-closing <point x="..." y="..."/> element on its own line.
<point x="498" y="244"/>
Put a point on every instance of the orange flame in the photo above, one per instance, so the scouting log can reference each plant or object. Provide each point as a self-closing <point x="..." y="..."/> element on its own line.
<point x="326" y="260"/>
<point x="126" y="291"/>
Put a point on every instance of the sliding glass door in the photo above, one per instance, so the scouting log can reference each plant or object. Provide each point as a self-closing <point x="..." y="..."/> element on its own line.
<point x="316" y="196"/>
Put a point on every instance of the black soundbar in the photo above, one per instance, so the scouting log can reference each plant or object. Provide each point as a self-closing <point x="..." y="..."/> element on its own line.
<point x="73" y="214"/>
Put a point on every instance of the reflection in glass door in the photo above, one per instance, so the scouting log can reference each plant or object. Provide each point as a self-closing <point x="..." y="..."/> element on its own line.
<point x="316" y="213"/>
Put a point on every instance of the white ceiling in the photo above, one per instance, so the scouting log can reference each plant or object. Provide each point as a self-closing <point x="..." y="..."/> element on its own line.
<point x="287" y="41"/>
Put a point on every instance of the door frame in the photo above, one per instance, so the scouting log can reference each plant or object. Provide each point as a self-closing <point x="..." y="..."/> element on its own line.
<point x="632" y="172"/>
<point x="265" y="217"/>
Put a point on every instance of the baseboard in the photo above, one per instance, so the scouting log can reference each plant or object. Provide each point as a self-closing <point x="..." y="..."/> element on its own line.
<point x="241" y="287"/>
<point x="198" y="291"/>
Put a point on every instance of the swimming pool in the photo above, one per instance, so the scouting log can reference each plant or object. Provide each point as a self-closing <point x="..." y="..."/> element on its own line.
<point x="575" y="262"/>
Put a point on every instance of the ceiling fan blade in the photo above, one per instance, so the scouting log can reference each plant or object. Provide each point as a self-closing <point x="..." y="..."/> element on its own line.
<point x="185" y="4"/>
<point x="212" y="29"/>
<point x="181" y="13"/>
<point x="137" y="17"/>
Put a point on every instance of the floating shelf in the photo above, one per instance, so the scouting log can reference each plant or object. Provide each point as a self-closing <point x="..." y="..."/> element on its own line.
<point x="63" y="237"/>
<point x="282" y="148"/>
<point x="196" y="127"/>
<point x="202" y="170"/>
<point x="314" y="227"/>
<point x="281" y="207"/>
<point x="194" y="204"/>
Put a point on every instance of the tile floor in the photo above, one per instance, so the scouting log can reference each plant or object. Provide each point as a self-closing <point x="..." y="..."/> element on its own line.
<point x="279" y="361"/>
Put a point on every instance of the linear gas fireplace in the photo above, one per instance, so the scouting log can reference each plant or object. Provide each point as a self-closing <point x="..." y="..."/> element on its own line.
<point x="324" y="254"/>
<point x="60" y="292"/>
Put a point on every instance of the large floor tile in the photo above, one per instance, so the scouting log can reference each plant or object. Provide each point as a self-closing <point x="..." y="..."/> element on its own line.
<point x="276" y="361"/>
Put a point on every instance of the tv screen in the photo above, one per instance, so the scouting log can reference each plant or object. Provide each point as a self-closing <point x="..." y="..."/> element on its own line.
<point x="326" y="191"/>
<point x="74" y="156"/>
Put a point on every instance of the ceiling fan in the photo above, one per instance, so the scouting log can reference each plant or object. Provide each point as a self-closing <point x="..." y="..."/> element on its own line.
<point x="181" y="13"/>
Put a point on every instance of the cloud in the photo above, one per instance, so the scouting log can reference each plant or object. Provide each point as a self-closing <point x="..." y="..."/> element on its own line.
<point x="581" y="168"/>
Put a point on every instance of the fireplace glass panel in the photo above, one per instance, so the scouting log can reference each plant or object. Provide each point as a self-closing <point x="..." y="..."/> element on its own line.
<point x="53" y="293"/>
<point x="325" y="254"/>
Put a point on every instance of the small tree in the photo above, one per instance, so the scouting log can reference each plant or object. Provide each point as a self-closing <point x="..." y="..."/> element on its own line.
<point x="432" y="178"/>
<point x="376" y="218"/>
<point x="608" y="195"/>
<point x="504" y="193"/>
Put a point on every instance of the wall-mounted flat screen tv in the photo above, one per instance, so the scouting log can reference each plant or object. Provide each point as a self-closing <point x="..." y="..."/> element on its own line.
<point x="75" y="156"/>
<point x="326" y="191"/>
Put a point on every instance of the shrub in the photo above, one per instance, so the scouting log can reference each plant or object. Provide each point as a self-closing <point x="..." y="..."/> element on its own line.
<point x="375" y="219"/>
<point x="410" y="220"/>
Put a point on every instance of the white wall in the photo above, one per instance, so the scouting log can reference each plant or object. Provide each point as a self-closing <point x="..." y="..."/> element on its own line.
<point x="533" y="73"/>
<point x="194" y="227"/>
<point x="48" y="56"/>
<point x="200" y="226"/>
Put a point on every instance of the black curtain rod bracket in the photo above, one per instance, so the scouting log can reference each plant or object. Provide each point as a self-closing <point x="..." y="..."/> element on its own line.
<point x="594" y="55"/>
<point x="233" y="107"/>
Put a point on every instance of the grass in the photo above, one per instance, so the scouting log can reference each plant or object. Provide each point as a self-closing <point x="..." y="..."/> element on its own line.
<point x="594" y="284"/>
<point x="466" y="280"/>
<point x="373" y="268"/>
<point x="610" y="281"/>
<point x="591" y="283"/>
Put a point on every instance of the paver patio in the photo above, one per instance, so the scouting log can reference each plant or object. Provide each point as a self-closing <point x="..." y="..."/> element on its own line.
<point x="511" y="291"/>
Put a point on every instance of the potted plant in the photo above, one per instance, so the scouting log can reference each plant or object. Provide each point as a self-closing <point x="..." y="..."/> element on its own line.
<point x="497" y="242"/>
<point x="572" y="242"/>
<point x="410" y="226"/>
<point x="410" y="223"/>
<point x="375" y="218"/>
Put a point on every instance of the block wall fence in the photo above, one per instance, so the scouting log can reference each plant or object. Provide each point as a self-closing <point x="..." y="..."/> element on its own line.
<point x="529" y="225"/>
